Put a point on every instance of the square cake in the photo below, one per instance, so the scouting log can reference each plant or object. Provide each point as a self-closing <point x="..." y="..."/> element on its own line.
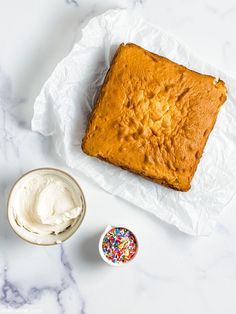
<point x="153" y="117"/>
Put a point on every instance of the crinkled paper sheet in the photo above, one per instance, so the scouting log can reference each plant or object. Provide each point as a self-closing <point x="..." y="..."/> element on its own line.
<point x="66" y="100"/>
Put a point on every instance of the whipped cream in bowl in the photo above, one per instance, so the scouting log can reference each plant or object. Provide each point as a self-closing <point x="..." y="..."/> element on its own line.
<point x="46" y="206"/>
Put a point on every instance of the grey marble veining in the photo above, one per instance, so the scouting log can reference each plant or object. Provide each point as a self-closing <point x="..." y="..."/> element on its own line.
<point x="74" y="2"/>
<point x="12" y="297"/>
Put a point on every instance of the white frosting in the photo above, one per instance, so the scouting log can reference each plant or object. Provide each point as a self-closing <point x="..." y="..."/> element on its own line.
<point x="46" y="204"/>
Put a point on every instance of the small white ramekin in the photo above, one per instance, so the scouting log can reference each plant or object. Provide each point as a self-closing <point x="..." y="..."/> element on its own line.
<point x="45" y="239"/>
<point x="108" y="228"/>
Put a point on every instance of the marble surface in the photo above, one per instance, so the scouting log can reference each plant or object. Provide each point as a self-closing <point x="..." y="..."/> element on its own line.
<point x="173" y="273"/>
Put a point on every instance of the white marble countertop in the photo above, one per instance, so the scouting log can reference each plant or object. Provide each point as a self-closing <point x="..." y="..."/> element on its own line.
<point x="179" y="274"/>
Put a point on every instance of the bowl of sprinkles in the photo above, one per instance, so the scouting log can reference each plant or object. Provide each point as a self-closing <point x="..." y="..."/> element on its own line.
<point x="118" y="245"/>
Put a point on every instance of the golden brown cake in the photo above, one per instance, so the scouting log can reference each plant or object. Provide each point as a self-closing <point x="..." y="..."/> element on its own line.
<point x="153" y="116"/>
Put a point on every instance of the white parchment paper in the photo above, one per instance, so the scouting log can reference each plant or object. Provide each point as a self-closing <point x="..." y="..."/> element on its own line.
<point x="65" y="102"/>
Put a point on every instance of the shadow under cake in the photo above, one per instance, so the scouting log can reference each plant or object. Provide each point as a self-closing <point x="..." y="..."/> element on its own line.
<point x="153" y="117"/>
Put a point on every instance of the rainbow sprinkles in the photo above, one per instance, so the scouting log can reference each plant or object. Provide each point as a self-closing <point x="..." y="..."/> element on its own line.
<point x="119" y="245"/>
